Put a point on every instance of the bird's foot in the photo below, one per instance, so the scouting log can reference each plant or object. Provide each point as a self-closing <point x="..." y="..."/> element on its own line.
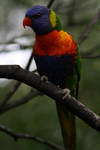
<point x="44" y="78"/>
<point x="65" y="92"/>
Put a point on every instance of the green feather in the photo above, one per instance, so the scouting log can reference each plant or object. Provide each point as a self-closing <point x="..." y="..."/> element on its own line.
<point x="55" y="22"/>
<point x="58" y="24"/>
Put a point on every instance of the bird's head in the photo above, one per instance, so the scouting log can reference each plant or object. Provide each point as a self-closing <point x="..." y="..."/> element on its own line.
<point x="41" y="19"/>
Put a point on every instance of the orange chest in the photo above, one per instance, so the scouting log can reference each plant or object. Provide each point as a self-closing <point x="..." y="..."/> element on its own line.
<point x="54" y="43"/>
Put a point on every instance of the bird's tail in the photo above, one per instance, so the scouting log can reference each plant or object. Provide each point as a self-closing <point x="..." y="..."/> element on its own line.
<point x="67" y="122"/>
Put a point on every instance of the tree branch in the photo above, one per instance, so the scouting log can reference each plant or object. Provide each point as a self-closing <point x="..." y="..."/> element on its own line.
<point x="91" y="57"/>
<point x="85" y="33"/>
<point x="90" y="54"/>
<point x="17" y="136"/>
<point x="10" y="94"/>
<point x="17" y="84"/>
<point x="12" y="40"/>
<point x="28" y="97"/>
<point x="50" y="3"/>
<point x="91" y="51"/>
<point x="70" y="103"/>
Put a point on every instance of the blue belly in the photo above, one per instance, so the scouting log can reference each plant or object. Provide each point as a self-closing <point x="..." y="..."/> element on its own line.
<point x="55" y="68"/>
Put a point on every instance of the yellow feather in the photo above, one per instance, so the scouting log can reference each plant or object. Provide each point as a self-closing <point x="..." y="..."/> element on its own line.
<point x="53" y="18"/>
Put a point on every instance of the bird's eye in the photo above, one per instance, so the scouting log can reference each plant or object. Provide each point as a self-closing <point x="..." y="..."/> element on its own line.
<point x="37" y="16"/>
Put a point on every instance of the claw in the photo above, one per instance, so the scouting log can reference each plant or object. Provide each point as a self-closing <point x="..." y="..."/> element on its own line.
<point x="44" y="78"/>
<point x="65" y="92"/>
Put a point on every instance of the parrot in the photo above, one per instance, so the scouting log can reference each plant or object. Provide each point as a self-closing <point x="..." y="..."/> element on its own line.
<point x="57" y="57"/>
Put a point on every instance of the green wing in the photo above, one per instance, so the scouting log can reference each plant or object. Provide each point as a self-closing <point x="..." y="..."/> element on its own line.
<point x="66" y="118"/>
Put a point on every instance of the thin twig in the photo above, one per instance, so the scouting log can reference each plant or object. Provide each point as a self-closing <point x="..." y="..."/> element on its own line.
<point x="21" y="46"/>
<point x="17" y="136"/>
<point x="90" y="51"/>
<point x="50" y="3"/>
<point x="84" y="35"/>
<point x="23" y="100"/>
<point x="12" y="40"/>
<point x="91" y="57"/>
<point x="30" y="60"/>
<point x="10" y="94"/>
<point x="16" y="86"/>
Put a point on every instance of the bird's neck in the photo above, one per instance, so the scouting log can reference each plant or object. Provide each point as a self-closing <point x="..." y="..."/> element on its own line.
<point x="48" y="40"/>
<point x="47" y="43"/>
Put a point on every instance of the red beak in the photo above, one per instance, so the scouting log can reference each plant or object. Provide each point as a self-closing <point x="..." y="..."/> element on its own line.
<point x="27" y="22"/>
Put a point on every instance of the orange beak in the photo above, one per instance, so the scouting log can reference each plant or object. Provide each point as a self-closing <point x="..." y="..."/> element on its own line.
<point x="27" y="22"/>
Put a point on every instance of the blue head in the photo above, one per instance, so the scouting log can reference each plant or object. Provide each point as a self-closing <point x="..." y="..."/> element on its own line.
<point x="41" y="19"/>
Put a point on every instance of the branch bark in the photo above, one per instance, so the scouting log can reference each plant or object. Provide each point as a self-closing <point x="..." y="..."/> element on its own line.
<point x="17" y="84"/>
<point x="23" y="100"/>
<point x="50" y="3"/>
<point x="70" y="103"/>
<point x="17" y="136"/>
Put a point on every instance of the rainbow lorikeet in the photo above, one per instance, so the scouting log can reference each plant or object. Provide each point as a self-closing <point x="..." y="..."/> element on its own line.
<point x="57" y="56"/>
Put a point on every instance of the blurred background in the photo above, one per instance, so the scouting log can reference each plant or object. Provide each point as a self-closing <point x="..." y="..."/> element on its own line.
<point x="39" y="116"/>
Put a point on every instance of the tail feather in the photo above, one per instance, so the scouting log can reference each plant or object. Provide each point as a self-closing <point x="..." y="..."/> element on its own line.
<point x="67" y="122"/>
